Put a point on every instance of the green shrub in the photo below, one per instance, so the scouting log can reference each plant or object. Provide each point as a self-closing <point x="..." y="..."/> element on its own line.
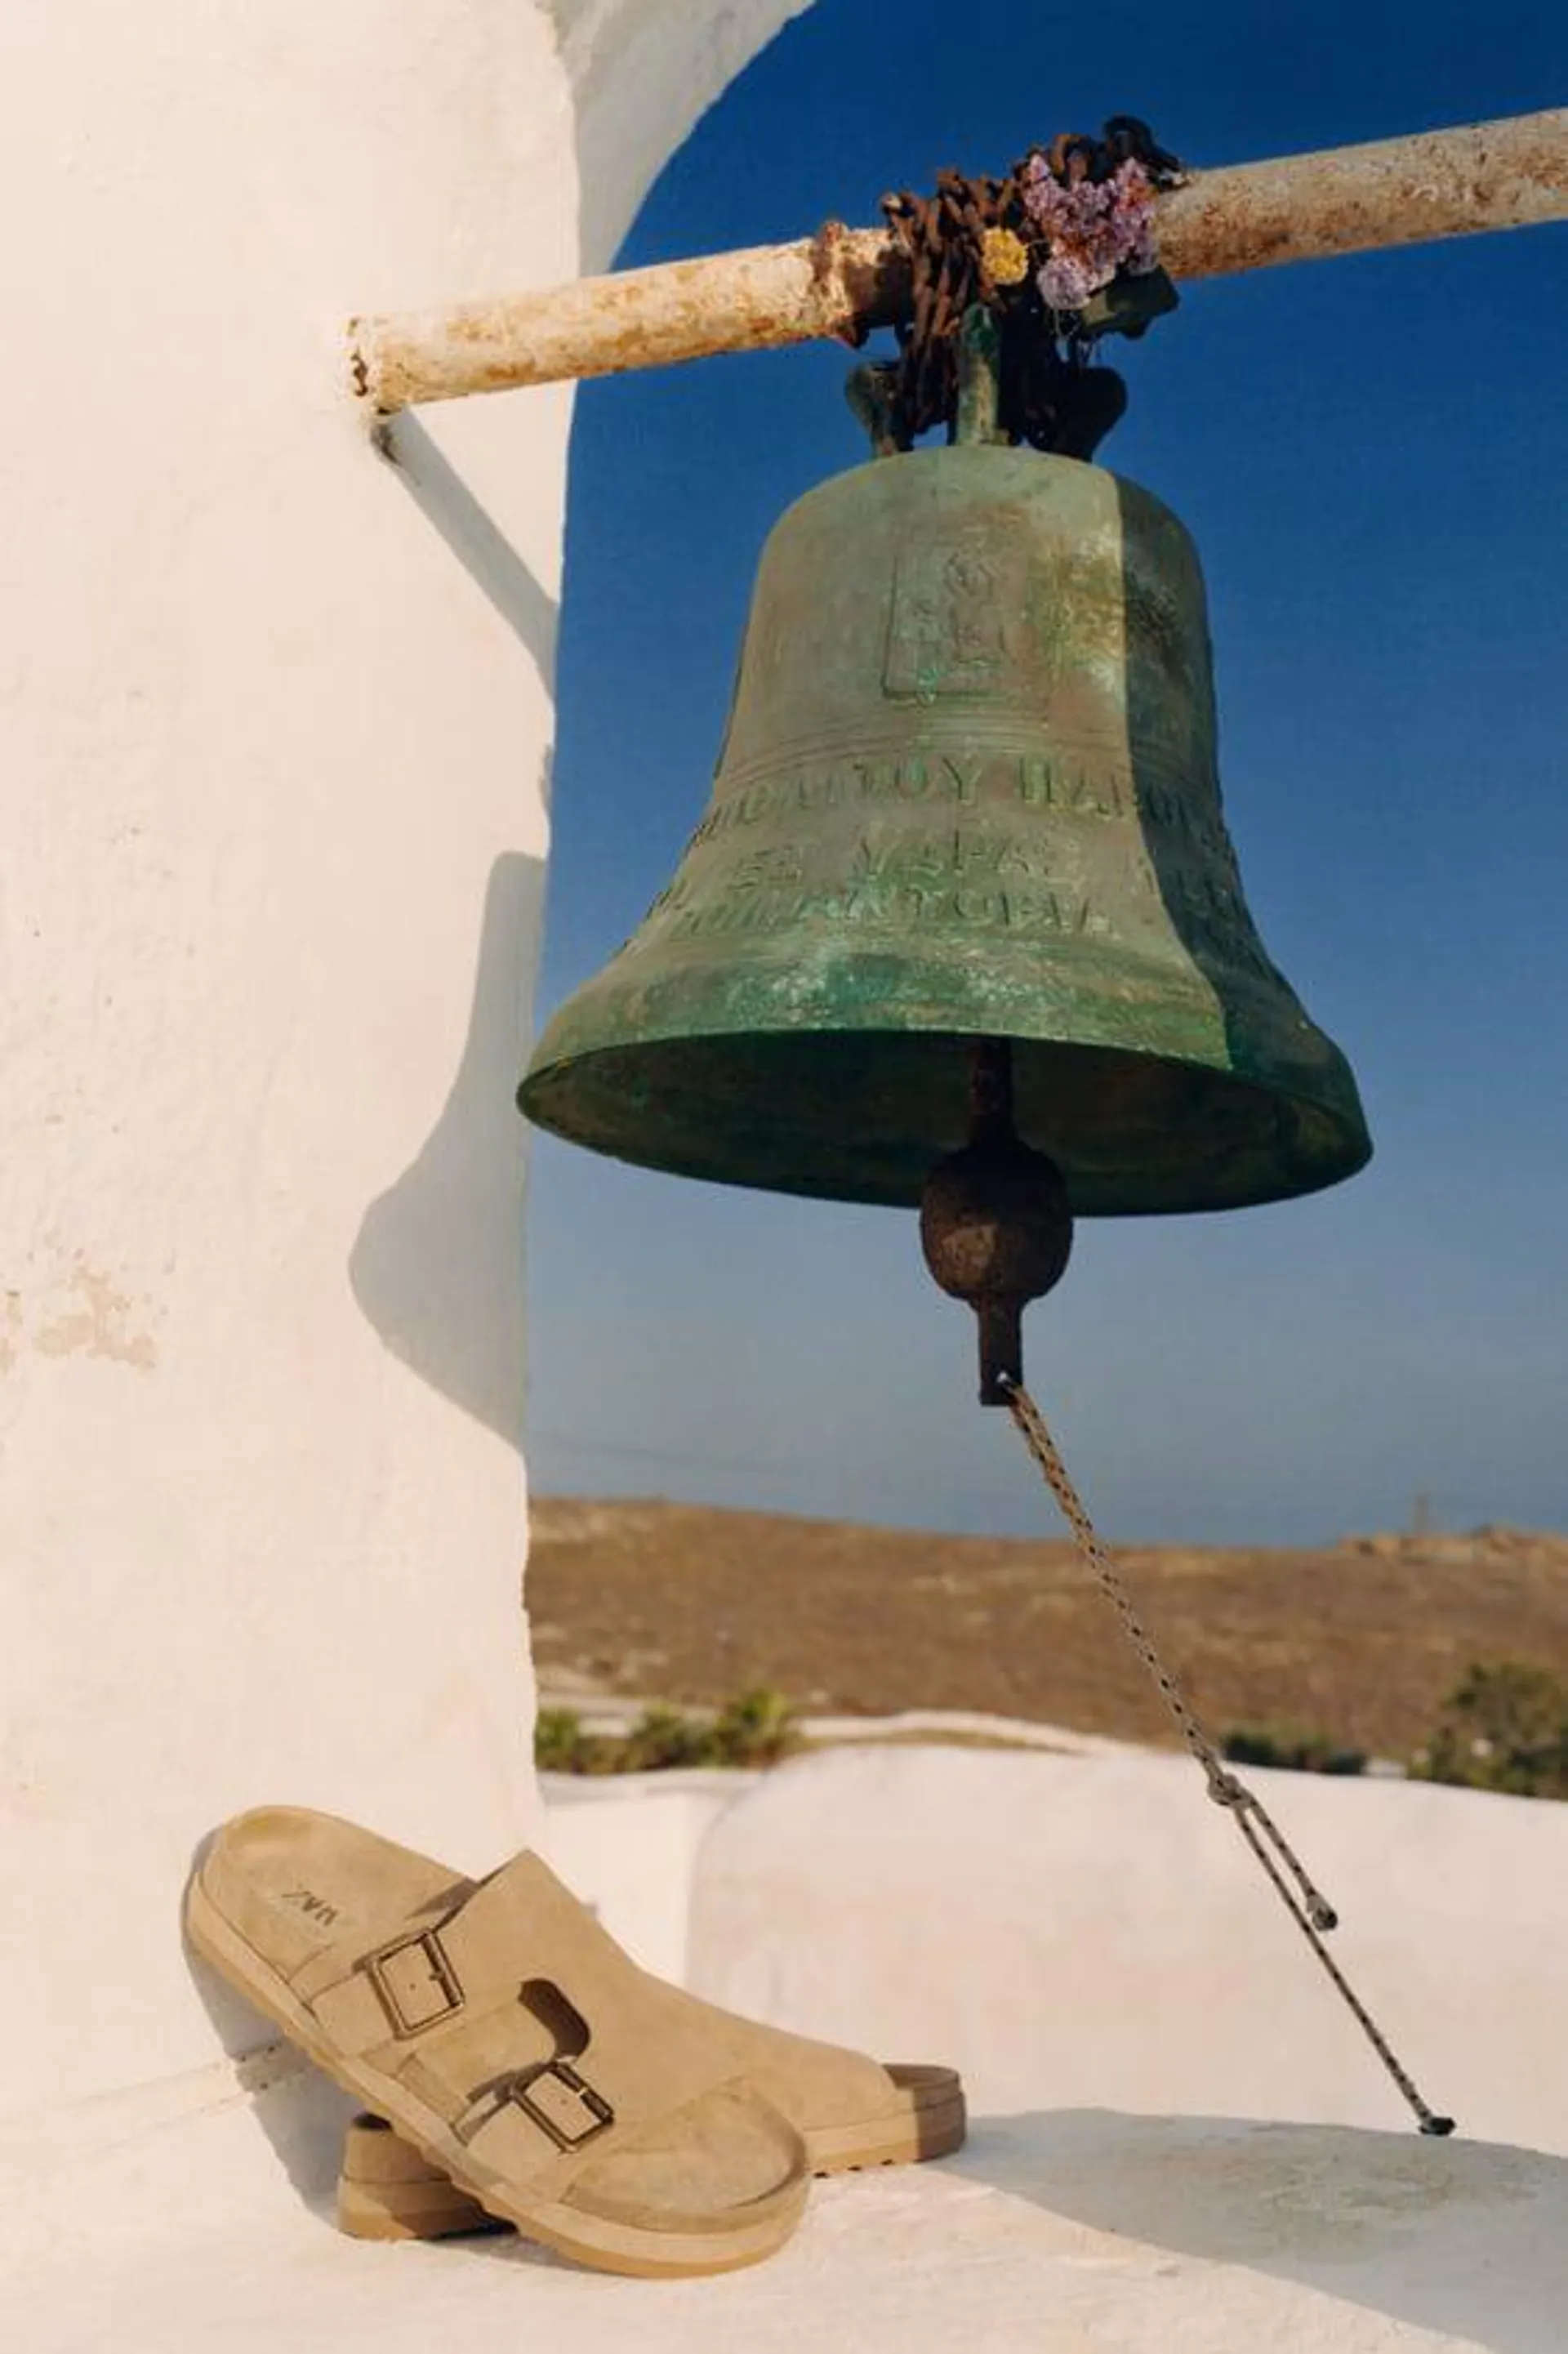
<point x="561" y="1746"/>
<point x="662" y="1738"/>
<point x="757" y="1728"/>
<point x="1294" y="1748"/>
<point x="1504" y="1726"/>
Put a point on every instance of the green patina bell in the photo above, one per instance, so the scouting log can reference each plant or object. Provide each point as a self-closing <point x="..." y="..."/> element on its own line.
<point x="968" y="790"/>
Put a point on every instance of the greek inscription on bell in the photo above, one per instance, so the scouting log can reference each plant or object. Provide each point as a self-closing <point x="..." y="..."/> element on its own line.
<point x="957" y="607"/>
<point x="1061" y="783"/>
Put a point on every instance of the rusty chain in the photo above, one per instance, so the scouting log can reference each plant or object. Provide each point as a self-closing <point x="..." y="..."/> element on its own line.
<point x="975" y="241"/>
<point x="1312" y="1915"/>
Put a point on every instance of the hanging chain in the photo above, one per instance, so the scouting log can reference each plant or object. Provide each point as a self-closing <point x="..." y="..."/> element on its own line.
<point x="1061" y="251"/>
<point x="1312" y="1915"/>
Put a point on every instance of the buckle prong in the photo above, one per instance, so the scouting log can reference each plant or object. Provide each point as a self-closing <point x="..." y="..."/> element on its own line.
<point x="571" y="2122"/>
<point x="402" y="2004"/>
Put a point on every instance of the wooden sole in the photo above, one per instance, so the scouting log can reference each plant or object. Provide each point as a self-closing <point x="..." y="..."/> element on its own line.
<point x="588" y="2239"/>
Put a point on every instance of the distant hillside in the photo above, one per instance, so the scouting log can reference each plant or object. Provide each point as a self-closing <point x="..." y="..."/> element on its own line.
<point x="686" y="1603"/>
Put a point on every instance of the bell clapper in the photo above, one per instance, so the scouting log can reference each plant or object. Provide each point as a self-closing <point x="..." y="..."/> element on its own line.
<point x="995" y="1222"/>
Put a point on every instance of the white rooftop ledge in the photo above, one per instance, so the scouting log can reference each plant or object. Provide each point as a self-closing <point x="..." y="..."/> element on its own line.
<point x="1083" y="1934"/>
<point x="1076" y="2233"/>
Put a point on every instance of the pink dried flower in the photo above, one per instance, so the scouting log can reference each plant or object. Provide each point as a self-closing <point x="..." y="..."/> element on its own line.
<point x="1093" y="229"/>
<point x="1067" y="283"/>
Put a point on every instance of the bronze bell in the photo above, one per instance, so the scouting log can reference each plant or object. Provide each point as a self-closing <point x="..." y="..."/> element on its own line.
<point x="968" y="790"/>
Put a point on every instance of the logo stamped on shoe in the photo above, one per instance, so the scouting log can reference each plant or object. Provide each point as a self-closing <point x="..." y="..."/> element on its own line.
<point x="316" y="1906"/>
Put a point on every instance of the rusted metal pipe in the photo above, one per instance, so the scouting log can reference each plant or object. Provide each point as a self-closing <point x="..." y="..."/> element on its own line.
<point x="1437" y="184"/>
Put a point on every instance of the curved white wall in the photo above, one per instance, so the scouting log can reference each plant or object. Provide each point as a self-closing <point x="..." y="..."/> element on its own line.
<point x="275" y="719"/>
<point x="1092" y="1935"/>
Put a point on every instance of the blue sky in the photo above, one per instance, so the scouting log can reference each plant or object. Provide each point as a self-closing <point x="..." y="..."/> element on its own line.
<point x="1371" y="454"/>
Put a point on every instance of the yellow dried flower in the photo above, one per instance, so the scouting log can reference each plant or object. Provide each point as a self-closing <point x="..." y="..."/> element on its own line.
<point x="1005" y="258"/>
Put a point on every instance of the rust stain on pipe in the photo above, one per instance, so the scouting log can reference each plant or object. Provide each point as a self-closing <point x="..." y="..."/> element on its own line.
<point x="1408" y="191"/>
<point x="844" y="281"/>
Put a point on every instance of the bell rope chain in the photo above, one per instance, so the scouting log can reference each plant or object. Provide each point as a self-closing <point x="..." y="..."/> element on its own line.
<point x="1511" y="174"/>
<point x="1311" y="1913"/>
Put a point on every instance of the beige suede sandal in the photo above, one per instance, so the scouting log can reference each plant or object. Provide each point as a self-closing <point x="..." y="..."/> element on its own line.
<point x="387" y="2191"/>
<point x="508" y="2039"/>
<point x="851" y="2111"/>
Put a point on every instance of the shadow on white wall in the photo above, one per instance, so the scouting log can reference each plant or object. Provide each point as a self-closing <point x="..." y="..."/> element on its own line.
<point x="488" y="559"/>
<point x="437" y="1265"/>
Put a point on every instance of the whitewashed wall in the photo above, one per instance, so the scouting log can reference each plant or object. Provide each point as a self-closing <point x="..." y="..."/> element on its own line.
<point x="1092" y="1936"/>
<point x="276" y="720"/>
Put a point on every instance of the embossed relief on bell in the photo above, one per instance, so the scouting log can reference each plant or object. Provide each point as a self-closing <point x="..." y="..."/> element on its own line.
<point x="957" y="623"/>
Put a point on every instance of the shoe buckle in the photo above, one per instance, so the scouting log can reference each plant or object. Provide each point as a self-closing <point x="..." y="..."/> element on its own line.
<point x="563" y="2105"/>
<point x="417" y="1984"/>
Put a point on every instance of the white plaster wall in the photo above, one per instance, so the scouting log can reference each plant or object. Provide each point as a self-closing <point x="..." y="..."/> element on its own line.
<point x="1089" y="1934"/>
<point x="629" y="1846"/>
<point x="275" y="727"/>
